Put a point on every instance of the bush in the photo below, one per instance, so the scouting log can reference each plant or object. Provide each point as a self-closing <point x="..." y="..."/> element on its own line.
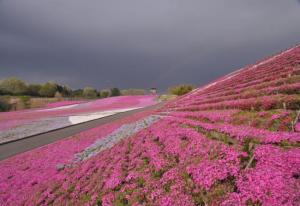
<point x="1" y="92"/>
<point x="58" y="95"/>
<point x="33" y="90"/>
<point x="181" y="89"/>
<point x="89" y="92"/>
<point x="104" y="93"/>
<point x="25" y="101"/>
<point x="4" y="105"/>
<point x="166" y="97"/>
<point x="115" y="92"/>
<point x="77" y="93"/>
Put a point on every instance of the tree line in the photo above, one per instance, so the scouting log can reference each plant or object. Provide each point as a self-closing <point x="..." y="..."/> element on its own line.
<point x="17" y="87"/>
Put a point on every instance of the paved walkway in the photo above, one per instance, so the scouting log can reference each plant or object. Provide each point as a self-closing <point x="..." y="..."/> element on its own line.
<point x="26" y="144"/>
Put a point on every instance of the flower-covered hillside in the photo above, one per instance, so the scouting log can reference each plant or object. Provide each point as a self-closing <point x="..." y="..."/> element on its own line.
<point x="9" y="120"/>
<point x="233" y="142"/>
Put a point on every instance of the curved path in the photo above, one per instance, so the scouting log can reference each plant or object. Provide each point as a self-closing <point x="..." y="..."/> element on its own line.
<point x="12" y="148"/>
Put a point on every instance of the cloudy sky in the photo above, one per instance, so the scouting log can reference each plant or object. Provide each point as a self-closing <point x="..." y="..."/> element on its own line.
<point x="140" y="43"/>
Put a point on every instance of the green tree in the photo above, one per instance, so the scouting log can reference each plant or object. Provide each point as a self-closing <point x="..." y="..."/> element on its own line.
<point x="67" y="91"/>
<point x="48" y="89"/>
<point x="90" y="92"/>
<point x="104" y="93"/>
<point x="13" y="86"/>
<point x="181" y="89"/>
<point x="33" y="89"/>
<point x="77" y="93"/>
<point x="115" y="92"/>
<point x="64" y="90"/>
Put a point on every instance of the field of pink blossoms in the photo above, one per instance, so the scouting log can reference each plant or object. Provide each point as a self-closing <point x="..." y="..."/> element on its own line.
<point x="233" y="142"/>
<point x="64" y="103"/>
<point x="10" y="120"/>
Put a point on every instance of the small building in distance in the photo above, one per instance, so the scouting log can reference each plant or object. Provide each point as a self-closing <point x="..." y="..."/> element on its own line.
<point x="153" y="91"/>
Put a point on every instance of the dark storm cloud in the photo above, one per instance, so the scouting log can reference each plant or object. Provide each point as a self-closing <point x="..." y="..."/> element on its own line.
<point x="140" y="43"/>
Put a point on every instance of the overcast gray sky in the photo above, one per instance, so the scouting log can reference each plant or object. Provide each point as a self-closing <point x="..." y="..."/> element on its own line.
<point x="140" y="43"/>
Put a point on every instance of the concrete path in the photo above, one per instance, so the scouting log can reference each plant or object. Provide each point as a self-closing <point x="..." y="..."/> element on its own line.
<point x="12" y="148"/>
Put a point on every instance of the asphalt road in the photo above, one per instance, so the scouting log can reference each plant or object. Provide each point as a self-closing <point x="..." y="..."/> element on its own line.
<point x="19" y="146"/>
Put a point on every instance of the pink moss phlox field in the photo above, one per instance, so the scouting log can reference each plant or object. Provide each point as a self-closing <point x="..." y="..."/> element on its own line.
<point x="21" y="174"/>
<point x="12" y="119"/>
<point x="275" y="178"/>
<point x="243" y="132"/>
<point x="233" y="142"/>
<point x="144" y="163"/>
<point x="64" y="103"/>
<point x="213" y="116"/>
